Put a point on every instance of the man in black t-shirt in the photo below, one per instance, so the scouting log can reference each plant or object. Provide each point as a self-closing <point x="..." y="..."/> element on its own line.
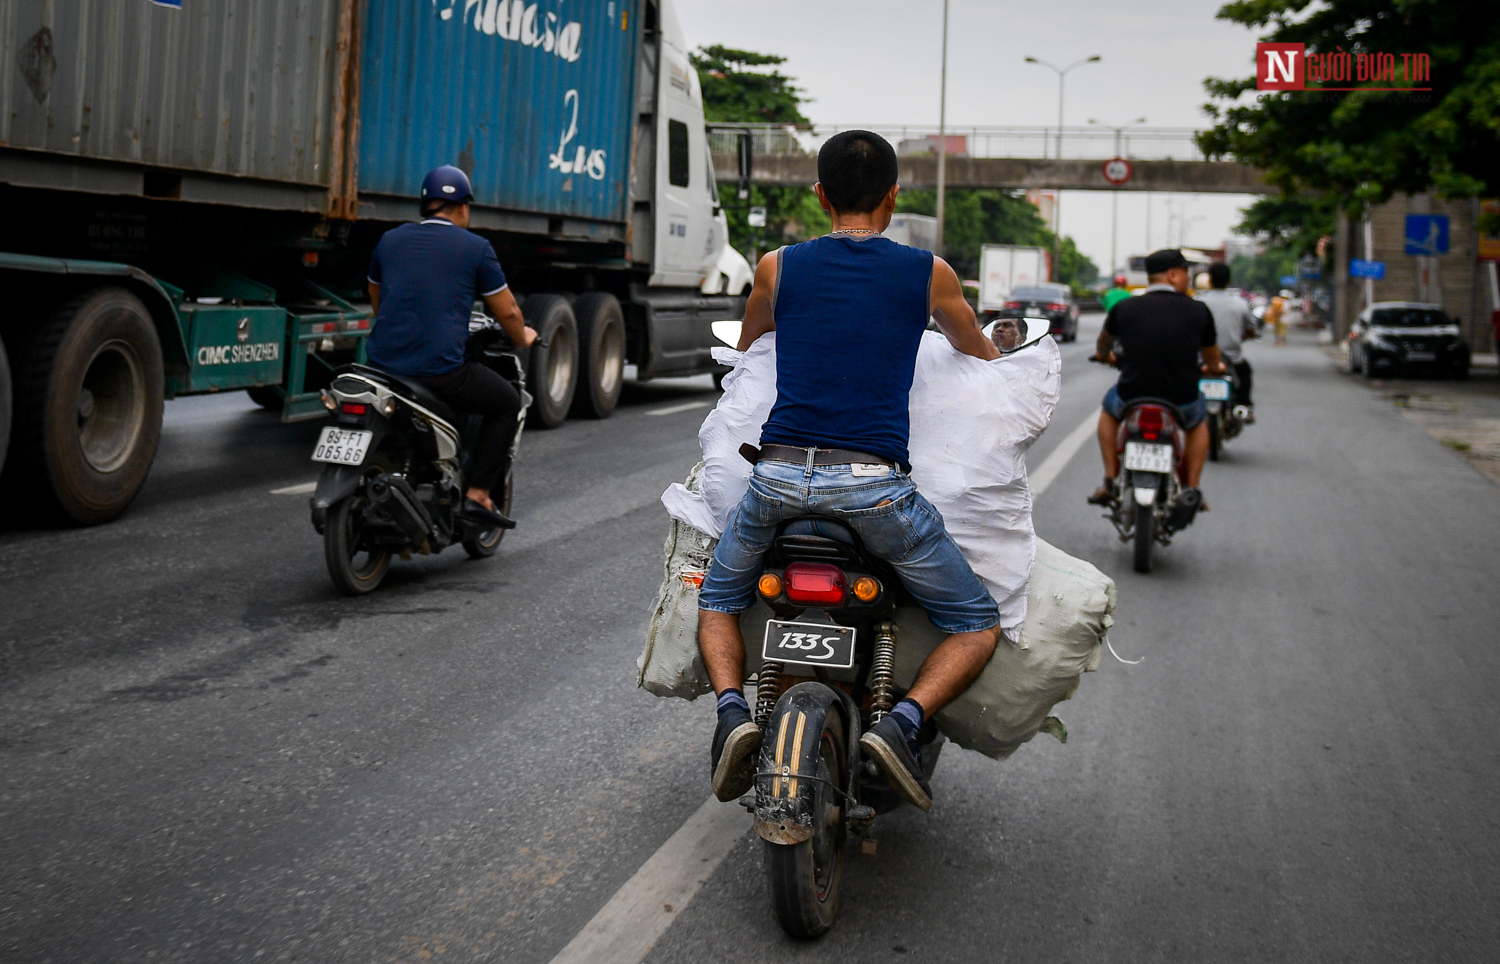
<point x="1162" y="332"/>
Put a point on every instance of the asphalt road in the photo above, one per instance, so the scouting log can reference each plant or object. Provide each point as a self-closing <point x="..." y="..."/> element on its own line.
<point x="207" y="755"/>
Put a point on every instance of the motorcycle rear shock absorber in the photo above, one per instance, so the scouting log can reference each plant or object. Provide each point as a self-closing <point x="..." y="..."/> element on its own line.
<point x="883" y="672"/>
<point x="767" y="692"/>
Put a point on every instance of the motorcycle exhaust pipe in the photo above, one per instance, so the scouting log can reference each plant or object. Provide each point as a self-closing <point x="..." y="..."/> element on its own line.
<point x="1184" y="509"/>
<point x="397" y="500"/>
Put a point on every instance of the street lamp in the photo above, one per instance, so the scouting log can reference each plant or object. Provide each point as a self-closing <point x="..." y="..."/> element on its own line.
<point x="1114" y="214"/>
<point x="1062" y="73"/>
<point x="942" y="159"/>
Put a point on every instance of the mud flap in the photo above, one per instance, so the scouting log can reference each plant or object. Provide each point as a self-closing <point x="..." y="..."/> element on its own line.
<point x="784" y="797"/>
<point x="336" y="482"/>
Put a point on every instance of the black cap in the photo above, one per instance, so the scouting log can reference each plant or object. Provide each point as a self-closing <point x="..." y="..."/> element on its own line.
<point x="1160" y="261"/>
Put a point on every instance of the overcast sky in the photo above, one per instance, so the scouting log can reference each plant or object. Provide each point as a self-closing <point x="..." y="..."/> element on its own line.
<point x="876" y="62"/>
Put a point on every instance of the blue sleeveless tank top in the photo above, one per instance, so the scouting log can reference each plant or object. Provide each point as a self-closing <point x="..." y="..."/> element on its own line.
<point x="849" y="317"/>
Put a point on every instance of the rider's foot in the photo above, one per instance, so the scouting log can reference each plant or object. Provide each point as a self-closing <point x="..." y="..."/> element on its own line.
<point x="1249" y="415"/>
<point x="477" y="512"/>
<point x="735" y="750"/>
<point x="886" y="745"/>
<point x="1106" y="494"/>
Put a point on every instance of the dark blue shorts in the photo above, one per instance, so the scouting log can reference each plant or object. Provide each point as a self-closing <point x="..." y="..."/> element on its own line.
<point x="1192" y="413"/>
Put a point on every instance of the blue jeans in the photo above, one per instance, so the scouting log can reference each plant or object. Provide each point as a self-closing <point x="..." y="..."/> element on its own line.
<point x="889" y="515"/>
<point x="1191" y="415"/>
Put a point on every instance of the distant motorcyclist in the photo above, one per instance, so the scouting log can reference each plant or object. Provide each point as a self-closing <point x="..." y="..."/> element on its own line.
<point x="1233" y="323"/>
<point x="1116" y="294"/>
<point x="423" y="281"/>
<point x="1162" y="332"/>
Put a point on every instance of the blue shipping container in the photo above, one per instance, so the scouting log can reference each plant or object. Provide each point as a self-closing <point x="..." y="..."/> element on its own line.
<point x="532" y="98"/>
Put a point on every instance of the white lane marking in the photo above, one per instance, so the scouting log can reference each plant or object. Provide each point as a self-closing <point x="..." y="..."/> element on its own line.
<point x="1057" y="459"/>
<point x="674" y="409"/>
<point x="305" y="488"/>
<point x="625" y="928"/>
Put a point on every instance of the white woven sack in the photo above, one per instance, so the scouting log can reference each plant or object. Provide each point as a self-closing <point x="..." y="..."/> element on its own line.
<point x="671" y="664"/>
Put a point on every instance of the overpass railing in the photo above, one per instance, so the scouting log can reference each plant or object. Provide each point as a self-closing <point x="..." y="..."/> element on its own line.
<point x="1140" y="143"/>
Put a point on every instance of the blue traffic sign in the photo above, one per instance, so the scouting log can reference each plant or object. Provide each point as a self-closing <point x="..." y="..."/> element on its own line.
<point x="1360" y="268"/>
<point x="1287" y="280"/>
<point x="1426" y="234"/>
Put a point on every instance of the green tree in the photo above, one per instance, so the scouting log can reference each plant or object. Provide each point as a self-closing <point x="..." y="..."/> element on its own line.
<point x="738" y="88"/>
<point x="1264" y="271"/>
<point x="1361" y="146"/>
<point x="974" y="217"/>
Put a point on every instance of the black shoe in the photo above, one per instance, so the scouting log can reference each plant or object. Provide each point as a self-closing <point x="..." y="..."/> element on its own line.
<point x="1106" y="494"/>
<point x="735" y="753"/>
<point x="474" y="512"/>
<point x="886" y="745"/>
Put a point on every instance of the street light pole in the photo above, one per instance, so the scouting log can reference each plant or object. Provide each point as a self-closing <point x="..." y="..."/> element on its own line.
<point x="1062" y="72"/>
<point x="1114" y="204"/>
<point x="942" y="147"/>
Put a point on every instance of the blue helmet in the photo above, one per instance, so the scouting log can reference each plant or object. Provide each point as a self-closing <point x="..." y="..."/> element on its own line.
<point x="447" y="183"/>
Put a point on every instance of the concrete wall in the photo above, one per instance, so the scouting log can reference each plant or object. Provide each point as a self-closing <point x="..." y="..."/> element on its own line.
<point x="1451" y="280"/>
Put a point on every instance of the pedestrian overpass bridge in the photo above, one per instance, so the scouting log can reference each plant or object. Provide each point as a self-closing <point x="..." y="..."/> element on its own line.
<point x="1013" y="158"/>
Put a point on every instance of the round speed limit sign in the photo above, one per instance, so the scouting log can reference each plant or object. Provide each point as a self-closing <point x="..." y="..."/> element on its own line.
<point x="1117" y="170"/>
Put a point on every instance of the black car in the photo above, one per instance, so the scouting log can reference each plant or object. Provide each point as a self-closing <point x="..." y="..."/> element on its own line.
<point x="1055" y="302"/>
<point x="1391" y="337"/>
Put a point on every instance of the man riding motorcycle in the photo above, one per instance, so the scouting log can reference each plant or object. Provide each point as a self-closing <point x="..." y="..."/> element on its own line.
<point x="1162" y="332"/>
<point x="849" y="310"/>
<point x="1116" y="294"/>
<point x="423" y="278"/>
<point x="1233" y="323"/>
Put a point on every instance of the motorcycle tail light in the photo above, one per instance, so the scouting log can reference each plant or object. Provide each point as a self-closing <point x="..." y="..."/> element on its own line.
<point x="1150" y="420"/>
<point x="353" y="408"/>
<point x="814" y="584"/>
<point x="769" y="585"/>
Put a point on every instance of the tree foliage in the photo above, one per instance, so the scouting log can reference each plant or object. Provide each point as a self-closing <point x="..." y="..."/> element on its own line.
<point x="738" y="89"/>
<point x="1362" y="146"/>
<point x="974" y="217"/>
<point x="1292" y="223"/>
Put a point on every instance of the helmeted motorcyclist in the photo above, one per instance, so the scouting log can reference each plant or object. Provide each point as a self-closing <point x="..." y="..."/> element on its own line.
<point x="1163" y="332"/>
<point x="423" y="281"/>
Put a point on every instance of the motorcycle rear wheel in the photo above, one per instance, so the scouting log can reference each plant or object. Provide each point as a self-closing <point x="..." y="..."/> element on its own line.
<point x="804" y="878"/>
<point x="484" y="544"/>
<point x="342" y="550"/>
<point x="1215" y="438"/>
<point x="1145" y="536"/>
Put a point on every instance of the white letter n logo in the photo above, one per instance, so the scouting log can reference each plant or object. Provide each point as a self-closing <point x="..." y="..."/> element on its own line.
<point x="1288" y="67"/>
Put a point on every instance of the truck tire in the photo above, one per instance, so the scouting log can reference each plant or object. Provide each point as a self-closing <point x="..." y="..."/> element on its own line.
<point x="552" y="375"/>
<point x="89" y="404"/>
<point x="5" y="404"/>
<point x="266" y="396"/>
<point x="601" y="354"/>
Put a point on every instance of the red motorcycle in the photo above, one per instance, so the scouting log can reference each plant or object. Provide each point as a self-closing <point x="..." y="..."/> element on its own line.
<point x="1154" y="500"/>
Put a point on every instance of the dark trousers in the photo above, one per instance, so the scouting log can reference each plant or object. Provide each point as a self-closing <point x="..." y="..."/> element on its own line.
<point x="476" y="390"/>
<point x="1247" y="379"/>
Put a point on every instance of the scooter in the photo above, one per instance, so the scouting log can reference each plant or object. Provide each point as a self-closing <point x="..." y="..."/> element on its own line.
<point x="1225" y="418"/>
<point x="393" y="480"/>
<point x="1153" y="503"/>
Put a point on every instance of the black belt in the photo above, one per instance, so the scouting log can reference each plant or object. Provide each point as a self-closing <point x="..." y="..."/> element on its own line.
<point x="798" y="455"/>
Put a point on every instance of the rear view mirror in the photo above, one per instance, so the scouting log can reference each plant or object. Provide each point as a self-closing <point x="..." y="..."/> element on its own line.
<point x="1012" y="334"/>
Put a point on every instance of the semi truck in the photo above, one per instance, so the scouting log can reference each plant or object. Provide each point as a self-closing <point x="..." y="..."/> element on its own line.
<point x="1005" y="267"/>
<point x="193" y="189"/>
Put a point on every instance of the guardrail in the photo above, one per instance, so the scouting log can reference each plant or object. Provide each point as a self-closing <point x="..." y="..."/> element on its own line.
<point x="1087" y="143"/>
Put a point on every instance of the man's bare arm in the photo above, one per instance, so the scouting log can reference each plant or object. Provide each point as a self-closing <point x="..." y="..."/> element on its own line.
<point x="759" y="318"/>
<point x="502" y="304"/>
<point x="955" y="319"/>
<point x="1104" y="346"/>
<point x="374" y="297"/>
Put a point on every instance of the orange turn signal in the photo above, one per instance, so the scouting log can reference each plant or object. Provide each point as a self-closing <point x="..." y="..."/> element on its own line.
<point x="770" y="585"/>
<point x="866" y="589"/>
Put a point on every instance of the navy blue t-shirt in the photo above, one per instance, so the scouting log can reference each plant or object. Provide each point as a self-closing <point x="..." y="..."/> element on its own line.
<point x="849" y="318"/>
<point x="428" y="274"/>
